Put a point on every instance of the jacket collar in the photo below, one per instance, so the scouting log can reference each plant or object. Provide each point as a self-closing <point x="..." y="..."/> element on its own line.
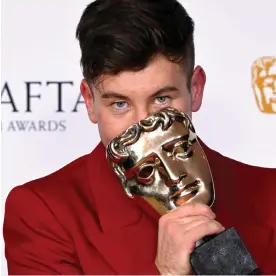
<point x="114" y="208"/>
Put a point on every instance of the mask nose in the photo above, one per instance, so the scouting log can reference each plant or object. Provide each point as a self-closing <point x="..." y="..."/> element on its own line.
<point x="172" y="170"/>
<point x="178" y="179"/>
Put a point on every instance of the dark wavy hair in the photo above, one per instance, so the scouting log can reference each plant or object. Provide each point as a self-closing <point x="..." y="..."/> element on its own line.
<point x="120" y="35"/>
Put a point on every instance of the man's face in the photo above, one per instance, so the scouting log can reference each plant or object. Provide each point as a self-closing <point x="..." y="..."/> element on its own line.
<point x="264" y="83"/>
<point x="119" y="101"/>
<point x="169" y="166"/>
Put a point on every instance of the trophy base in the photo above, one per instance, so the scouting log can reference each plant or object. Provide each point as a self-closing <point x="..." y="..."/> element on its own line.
<point x="223" y="254"/>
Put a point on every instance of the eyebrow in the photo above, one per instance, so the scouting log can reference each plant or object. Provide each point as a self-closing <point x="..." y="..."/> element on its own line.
<point x="165" y="89"/>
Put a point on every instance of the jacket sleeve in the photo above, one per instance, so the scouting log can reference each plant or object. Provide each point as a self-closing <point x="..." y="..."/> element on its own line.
<point x="35" y="242"/>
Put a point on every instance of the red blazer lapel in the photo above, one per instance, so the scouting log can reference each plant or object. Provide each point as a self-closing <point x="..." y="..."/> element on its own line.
<point x="128" y="236"/>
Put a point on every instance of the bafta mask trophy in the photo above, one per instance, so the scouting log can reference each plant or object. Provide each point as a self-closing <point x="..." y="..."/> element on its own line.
<point x="160" y="159"/>
<point x="264" y="83"/>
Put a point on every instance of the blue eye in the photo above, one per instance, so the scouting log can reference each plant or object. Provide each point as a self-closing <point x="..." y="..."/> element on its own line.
<point x="120" y="105"/>
<point x="162" y="99"/>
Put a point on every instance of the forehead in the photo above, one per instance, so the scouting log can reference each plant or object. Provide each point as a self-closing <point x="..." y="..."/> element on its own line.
<point x="158" y="73"/>
<point x="152" y="142"/>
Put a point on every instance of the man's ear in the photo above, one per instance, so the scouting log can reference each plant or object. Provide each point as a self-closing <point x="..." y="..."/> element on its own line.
<point x="89" y="100"/>
<point x="197" y="88"/>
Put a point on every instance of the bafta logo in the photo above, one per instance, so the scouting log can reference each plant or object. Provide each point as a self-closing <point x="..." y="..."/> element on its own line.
<point x="264" y="83"/>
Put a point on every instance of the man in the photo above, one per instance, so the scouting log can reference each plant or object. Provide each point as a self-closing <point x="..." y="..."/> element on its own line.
<point x="137" y="57"/>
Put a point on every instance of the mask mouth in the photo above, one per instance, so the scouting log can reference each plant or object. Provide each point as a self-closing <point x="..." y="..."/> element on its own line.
<point x="185" y="193"/>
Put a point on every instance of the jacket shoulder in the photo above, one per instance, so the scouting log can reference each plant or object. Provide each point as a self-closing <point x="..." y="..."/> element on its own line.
<point x="36" y="224"/>
<point x="60" y="180"/>
<point x="240" y="169"/>
<point x="59" y="191"/>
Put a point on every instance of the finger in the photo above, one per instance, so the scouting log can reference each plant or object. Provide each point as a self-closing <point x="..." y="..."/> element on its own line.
<point x="188" y="223"/>
<point x="202" y="230"/>
<point x="176" y="222"/>
<point x="191" y="209"/>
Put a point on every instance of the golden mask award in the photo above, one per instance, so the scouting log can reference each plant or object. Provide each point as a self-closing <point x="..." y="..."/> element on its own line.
<point x="160" y="159"/>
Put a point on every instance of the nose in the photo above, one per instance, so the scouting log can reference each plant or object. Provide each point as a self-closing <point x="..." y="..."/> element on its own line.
<point x="141" y="114"/>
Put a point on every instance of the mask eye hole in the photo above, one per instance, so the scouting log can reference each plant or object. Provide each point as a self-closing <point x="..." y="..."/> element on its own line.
<point x="183" y="151"/>
<point x="181" y="147"/>
<point x="145" y="171"/>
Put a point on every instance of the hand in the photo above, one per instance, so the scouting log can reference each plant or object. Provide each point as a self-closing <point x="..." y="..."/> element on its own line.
<point x="178" y="232"/>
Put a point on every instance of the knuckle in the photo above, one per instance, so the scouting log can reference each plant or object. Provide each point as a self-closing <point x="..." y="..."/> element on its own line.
<point x="205" y="209"/>
<point x="166" y="224"/>
<point x="214" y="225"/>
<point x="163" y="221"/>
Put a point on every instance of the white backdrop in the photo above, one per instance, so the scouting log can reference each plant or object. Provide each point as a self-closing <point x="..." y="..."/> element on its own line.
<point x="39" y="47"/>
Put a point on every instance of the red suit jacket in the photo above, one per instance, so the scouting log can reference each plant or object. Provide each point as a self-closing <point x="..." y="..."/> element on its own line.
<point x="78" y="220"/>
